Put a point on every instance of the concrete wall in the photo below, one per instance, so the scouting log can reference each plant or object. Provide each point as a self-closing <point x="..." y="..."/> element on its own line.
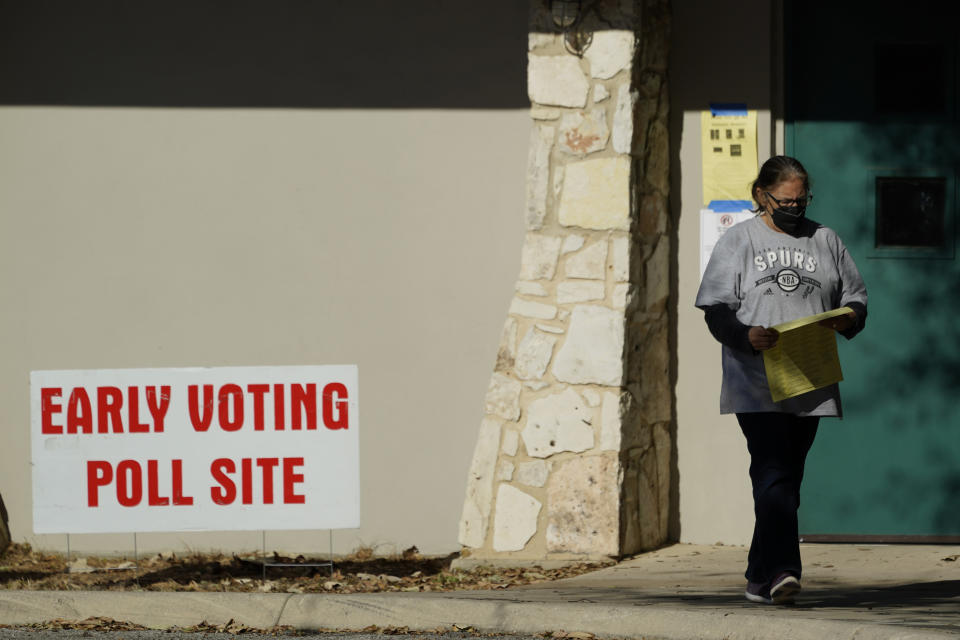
<point x="193" y="227"/>
<point x="720" y="53"/>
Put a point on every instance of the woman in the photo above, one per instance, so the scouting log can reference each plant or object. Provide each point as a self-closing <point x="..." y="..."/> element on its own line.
<point x="776" y="267"/>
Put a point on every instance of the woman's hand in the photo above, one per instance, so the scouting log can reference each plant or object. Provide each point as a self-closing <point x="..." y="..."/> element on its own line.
<point x="840" y="323"/>
<point x="762" y="338"/>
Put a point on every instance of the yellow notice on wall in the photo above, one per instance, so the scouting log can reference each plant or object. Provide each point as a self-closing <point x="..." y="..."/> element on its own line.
<point x="729" y="144"/>
<point x="805" y="357"/>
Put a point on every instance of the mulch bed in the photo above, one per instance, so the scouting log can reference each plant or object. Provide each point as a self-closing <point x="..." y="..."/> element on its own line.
<point x="360" y="572"/>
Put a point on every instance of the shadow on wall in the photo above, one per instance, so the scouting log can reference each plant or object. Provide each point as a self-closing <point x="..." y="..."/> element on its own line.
<point x="718" y="53"/>
<point x="264" y="53"/>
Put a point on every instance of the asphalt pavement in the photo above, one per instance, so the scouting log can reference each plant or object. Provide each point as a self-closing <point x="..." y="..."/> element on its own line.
<point x="680" y="592"/>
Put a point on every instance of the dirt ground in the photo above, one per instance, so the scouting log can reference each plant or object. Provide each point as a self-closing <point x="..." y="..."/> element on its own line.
<point x="361" y="572"/>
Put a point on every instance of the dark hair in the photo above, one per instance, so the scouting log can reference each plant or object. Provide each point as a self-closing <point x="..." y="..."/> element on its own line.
<point x="776" y="170"/>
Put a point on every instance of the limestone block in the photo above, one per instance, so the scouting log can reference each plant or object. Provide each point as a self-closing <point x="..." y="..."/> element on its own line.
<point x="559" y="422"/>
<point x="548" y="328"/>
<point x="531" y="288"/>
<point x="538" y="258"/>
<point x="511" y="442"/>
<point x="658" y="275"/>
<point x="583" y="132"/>
<point x="653" y="215"/>
<point x="649" y="85"/>
<point x="516" y="519"/>
<point x="658" y="162"/>
<point x="504" y="471"/>
<point x="655" y="370"/>
<point x="623" y="119"/>
<point x="533" y="473"/>
<point x="600" y="93"/>
<point x="503" y="398"/>
<point x="588" y="263"/>
<point x="593" y="350"/>
<point x="645" y="499"/>
<point x="620" y="258"/>
<point x="527" y="309"/>
<point x="579" y="291"/>
<point x="538" y="174"/>
<point x="610" y="422"/>
<point x="545" y="113"/>
<point x="538" y="40"/>
<point x="644" y="112"/>
<point x="648" y="499"/>
<point x="596" y="194"/>
<point x="476" y="506"/>
<point x="507" y="351"/>
<point x="610" y="52"/>
<point x="572" y="243"/>
<point x="621" y="295"/>
<point x="583" y="499"/>
<point x="533" y="354"/>
<point x="558" y="172"/>
<point x="664" y="446"/>
<point x="557" y="81"/>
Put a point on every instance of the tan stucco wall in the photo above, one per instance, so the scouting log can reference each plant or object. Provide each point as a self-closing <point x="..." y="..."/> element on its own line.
<point x="165" y="238"/>
<point x="719" y="54"/>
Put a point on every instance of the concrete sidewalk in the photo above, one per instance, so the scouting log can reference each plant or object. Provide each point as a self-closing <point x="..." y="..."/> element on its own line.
<point x="680" y="592"/>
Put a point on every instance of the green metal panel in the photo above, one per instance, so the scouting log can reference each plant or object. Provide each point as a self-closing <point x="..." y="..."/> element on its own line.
<point x="892" y="465"/>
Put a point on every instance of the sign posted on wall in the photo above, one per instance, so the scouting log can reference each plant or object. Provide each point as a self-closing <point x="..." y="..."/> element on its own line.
<point x="231" y="448"/>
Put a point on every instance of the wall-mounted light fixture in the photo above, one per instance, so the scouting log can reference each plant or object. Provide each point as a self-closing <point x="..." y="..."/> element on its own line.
<point x="565" y="12"/>
<point x="568" y="15"/>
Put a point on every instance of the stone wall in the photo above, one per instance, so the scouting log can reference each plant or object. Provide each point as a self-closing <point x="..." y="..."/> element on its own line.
<point x="574" y="452"/>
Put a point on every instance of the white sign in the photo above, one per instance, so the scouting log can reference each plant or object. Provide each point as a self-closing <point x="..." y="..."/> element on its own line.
<point x="714" y="224"/>
<point x="232" y="448"/>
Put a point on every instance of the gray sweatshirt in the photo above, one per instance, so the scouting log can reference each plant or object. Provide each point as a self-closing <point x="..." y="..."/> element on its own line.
<point x="767" y="278"/>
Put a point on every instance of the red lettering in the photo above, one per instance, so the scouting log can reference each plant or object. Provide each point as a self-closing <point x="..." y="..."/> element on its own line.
<point x="158" y="410"/>
<point x="258" y="391"/>
<point x="129" y="490"/>
<point x="176" y="469"/>
<point x="223" y="407"/>
<point x="278" y="407"/>
<point x="200" y="422"/>
<point x="154" y="499"/>
<point x="109" y="402"/>
<point x="79" y="412"/>
<point x="290" y="478"/>
<point x="246" y="481"/>
<point x="99" y="474"/>
<point x="226" y="493"/>
<point x="133" y="411"/>
<point x="303" y="399"/>
<point x="268" y="465"/>
<point x="335" y="411"/>
<point x="48" y="408"/>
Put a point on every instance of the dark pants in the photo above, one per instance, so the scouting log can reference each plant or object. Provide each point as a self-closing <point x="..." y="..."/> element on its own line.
<point x="778" y="445"/>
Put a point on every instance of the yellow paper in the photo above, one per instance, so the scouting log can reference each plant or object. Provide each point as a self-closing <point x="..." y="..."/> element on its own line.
<point x="729" y="148"/>
<point x="805" y="357"/>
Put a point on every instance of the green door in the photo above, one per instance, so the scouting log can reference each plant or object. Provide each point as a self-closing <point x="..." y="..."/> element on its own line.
<point x="872" y="114"/>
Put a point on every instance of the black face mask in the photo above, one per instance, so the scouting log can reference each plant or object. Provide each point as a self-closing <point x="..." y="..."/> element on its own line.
<point x="788" y="218"/>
